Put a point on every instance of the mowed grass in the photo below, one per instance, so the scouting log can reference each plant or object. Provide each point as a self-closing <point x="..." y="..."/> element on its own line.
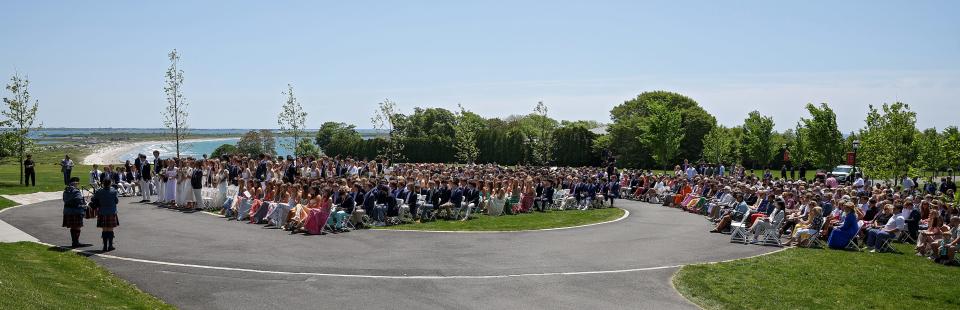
<point x="526" y="221"/>
<point x="801" y="278"/>
<point x="33" y="276"/>
<point x="49" y="177"/>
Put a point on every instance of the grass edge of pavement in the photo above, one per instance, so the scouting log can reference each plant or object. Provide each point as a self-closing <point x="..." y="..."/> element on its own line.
<point x="39" y="276"/>
<point x="521" y="222"/>
<point x="820" y="278"/>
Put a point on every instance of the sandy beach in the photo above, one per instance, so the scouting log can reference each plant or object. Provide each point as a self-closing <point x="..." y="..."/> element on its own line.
<point x="111" y="153"/>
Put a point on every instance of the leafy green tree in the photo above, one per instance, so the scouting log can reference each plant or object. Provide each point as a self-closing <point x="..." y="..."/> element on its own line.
<point x="292" y="121"/>
<point x="465" y="141"/>
<point x="886" y="143"/>
<point x="758" y="138"/>
<point x="20" y="114"/>
<point x="950" y="146"/>
<point x="435" y="122"/>
<point x="800" y="149"/>
<point x="627" y="119"/>
<point x="721" y="145"/>
<point x="662" y="132"/>
<point x="224" y="149"/>
<point x="175" y="116"/>
<point x="307" y="148"/>
<point x="328" y="130"/>
<point x="824" y="140"/>
<point x="928" y="144"/>
<point x="250" y="144"/>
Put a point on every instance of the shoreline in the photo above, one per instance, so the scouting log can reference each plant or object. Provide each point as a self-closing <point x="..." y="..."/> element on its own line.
<point x="110" y="153"/>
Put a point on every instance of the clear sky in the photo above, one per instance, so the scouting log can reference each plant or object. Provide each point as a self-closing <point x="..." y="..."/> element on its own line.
<point x="102" y="63"/>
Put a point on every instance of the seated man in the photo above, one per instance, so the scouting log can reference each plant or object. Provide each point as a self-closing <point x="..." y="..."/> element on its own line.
<point x="723" y="199"/>
<point x="545" y="198"/>
<point x="738" y="212"/>
<point x="431" y="199"/>
<point x="877" y="237"/>
<point x="95" y="176"/>
<point x="470" y="197"/>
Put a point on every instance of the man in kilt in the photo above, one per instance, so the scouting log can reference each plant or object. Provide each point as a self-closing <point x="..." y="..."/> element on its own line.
<point x="73" y="211"/>
<point x="106" y="201"/>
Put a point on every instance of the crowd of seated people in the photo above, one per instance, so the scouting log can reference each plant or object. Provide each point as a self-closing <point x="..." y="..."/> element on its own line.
<point x="859" y="215"/>
<point x="333" y="194"/>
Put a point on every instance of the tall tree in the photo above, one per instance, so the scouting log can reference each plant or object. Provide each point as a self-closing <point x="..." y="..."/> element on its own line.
<point x="465" y="131"/>
<point x="329" y="130"/>
<point x="625" y="129"/>
<point x="292" y="121"/>
<point x="927" y="144"/>
<point x="542" y="141"/>
<point x="824" y="140"/>
<point x="886" y="143"/>
<point x="721" y="145"/>
<point x="387" y="118"/>
<point x="20" y="114"/>
<point x="662" y="133"/>
<point x="800" y="150"/>
<point x="176" y="113"/>
<point x="758" y="135"/>
<point x="950" y="146"/>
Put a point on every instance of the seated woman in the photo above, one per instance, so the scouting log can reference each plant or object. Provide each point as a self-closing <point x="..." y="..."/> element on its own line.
<point x="929" y="239"/>
<point x="808" y="227"/>
<point x="498" y="198"/>
<point x="762" y="208"/>
<point x="764" y="223"/>
<point x="319" y="214"/>
<point x="339" y="215"/>
<point x="841" y="235"/>
<point x="947" y="250"/>
<point x="300" y="211"/>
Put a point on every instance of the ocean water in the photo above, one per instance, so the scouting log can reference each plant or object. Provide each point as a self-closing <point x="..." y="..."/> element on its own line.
<point x="193" y="149"/>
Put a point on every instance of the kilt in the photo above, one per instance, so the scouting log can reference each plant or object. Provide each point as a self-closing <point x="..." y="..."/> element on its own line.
<point x="72" y="220"/>
<point x="108" y="221"/>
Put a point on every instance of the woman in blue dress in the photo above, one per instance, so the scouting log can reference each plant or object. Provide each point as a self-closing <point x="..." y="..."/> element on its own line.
<point x="841" y="236"/>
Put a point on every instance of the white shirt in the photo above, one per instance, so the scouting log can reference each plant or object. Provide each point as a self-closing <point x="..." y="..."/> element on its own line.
<point x="895" y="222"/>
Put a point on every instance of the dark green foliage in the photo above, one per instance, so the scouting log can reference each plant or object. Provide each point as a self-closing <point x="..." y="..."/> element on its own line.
<point x="224" y="149"/>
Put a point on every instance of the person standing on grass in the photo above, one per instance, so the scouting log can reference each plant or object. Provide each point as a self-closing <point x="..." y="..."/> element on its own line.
<point x="66" y="167"/>
<point x="73" y="211"/>
<point x="29" y="174"/>
<point x="106" y="201"/>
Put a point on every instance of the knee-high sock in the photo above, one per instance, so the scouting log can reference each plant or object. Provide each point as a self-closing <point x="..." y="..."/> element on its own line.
<point x="75" y="236"/>
<point x="105" y="236"/>
<point x="110" y="235"/>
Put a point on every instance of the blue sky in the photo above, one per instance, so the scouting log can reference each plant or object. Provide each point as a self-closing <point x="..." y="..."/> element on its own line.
<point x="101" y="63"/>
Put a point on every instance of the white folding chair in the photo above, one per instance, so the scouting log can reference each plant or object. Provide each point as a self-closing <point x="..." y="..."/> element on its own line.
<point x="739" y="232"/>
<point x="771" y="236"/>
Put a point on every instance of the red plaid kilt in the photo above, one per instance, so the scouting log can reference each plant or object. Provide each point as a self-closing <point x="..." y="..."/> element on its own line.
<point x="72" y="220"/>
<point x="108" y="221"/>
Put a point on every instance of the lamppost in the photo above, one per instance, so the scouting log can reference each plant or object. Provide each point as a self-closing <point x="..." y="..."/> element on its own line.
<point x="856" y="146"/>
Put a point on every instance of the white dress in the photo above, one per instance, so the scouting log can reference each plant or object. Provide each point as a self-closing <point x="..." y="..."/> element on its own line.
<point x="170" y="190"/>
<point x="221" y="189"/>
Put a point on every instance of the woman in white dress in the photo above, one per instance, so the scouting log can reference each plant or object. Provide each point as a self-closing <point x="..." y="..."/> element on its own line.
<point x="189" y="199"/>
<point x="221" y="178"/>
<point x="182" y="185"/>
<point x="170" y="188"/>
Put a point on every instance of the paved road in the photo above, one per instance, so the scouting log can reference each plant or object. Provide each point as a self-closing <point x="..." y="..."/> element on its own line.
<point x="231" y="265"/>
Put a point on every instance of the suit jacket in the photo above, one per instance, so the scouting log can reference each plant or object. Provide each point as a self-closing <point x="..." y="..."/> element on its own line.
<point x="456" y="196"/>
<point x="144" y="170"/>
<point x="548" y="194"/>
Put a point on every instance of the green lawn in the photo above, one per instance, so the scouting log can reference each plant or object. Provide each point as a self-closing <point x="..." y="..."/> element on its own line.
<point x="801" y="278"/>
<point x="49" y="178"/>
<point x="527" y="221"/>
<point x="33" y="276"/>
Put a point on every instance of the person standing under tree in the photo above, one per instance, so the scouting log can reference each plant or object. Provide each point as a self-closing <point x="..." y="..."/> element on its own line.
<point x="106" y="201"/>
<point x="66" y="167"/>
<point x="29" y="174"/>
